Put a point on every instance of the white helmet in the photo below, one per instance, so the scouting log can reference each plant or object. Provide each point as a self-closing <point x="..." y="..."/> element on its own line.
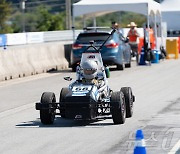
<point x="89" y="69"/>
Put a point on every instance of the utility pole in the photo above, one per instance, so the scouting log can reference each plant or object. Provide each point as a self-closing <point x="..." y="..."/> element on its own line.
<point x="23" y="7"/>
<point x="68" y="14"/>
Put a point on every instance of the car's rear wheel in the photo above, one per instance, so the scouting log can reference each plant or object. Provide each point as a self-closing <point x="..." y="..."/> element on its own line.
<point x="118" y="107"/>
<point x="47" y="116"/>
<point x="129" y="101"/>
<point x="74" y="68"/>
<point x="62" y="98"/>
<point x="128" y="65"/>
<point x="120" y="67"/>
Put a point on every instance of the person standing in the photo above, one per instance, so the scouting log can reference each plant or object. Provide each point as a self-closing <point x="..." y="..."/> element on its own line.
<point x="152" y="38"/>
<point x="116" y="26"/>
<point x="113" y="24"/>
<point x="133" y="39"/>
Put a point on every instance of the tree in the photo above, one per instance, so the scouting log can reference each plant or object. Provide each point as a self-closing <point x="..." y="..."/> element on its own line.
<point x="4" y="13"/>
<point x="49" y="22"/>
<point x="38" y="19"/>
<point x="123" y="18"/>
<point x="44" y="19"/>
<point x="58" y="22"/>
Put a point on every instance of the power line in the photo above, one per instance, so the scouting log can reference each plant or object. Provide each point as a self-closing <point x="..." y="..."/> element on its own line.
<point x="53" y="5"/>
<point x="45" y="1"/>
<point x="32" y="5"/>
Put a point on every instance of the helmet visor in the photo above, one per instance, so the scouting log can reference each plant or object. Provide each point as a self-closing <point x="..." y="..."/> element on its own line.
<point x="89" y="71"/>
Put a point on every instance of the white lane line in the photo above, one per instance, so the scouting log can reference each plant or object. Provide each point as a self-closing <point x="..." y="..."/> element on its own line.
<point x="175" y="148"/>
<point x="26" y="79"/>
<point x="27" y="126"/>
<point x="15" y="110"/>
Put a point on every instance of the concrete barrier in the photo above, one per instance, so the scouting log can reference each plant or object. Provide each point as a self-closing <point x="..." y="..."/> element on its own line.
<point x="29" y="60"/>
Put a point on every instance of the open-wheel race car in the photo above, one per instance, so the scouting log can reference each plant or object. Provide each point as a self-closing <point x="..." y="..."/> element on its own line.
<point x="89" y="96"/>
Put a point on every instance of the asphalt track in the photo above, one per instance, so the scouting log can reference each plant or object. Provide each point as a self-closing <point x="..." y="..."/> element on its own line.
<point x="156" y="112"/>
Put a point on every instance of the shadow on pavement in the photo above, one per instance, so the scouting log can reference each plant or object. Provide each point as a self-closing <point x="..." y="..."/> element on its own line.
<point x="61" y="122"/>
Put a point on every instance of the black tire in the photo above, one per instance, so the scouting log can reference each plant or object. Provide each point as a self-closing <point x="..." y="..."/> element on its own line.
<point x="120" y="67"/>
<point x="62" y="98"/>
<point x="47" y="116"/>
<point x="128" y="65"/>
<point x="118" y="107"/>
<point x="63" y="94"/>
<point x="74" y="68"/>
<point x="129" y="101"/>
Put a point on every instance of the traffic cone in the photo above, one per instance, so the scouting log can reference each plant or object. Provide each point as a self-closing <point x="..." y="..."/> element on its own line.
<point x="142" y="59"/>
<point x="139" y="147"/>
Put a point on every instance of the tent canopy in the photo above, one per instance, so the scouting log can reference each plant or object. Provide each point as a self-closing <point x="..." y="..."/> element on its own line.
<point x="93" y="8"/>
<point x="170" y="6"/>
<point x="99" y="7"/>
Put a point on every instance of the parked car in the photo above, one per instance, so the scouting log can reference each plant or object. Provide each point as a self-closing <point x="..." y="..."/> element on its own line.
<point x="116" y="51"/>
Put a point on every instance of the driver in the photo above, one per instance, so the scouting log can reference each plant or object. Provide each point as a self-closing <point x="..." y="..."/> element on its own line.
<point x="90" y="75"/>
<point x="90" y="69"/>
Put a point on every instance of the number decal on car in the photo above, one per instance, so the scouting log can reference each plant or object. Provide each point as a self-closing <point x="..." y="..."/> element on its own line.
<point x="81" y="89"/>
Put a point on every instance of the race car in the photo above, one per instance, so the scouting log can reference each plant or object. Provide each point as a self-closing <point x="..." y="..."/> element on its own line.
<point x="84" y="100"/>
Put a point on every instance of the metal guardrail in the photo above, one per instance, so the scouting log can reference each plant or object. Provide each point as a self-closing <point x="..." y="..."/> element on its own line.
<point x="14" y="39"/>
<point x="66" y="35"/>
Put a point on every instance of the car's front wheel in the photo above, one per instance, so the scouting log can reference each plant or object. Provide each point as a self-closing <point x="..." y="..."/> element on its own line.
<point x="129" y="101"/>
<point x="62" y="98"/>
<point x="47" y="115"/>
<point x="118" y="107"/>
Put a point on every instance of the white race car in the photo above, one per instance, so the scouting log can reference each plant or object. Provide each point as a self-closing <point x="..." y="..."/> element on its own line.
<point x="88" y="100"/>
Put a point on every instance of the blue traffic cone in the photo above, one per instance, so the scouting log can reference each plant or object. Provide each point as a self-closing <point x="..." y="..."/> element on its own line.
<point x="142" y="59"/>
<point x="139" y="147"/>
